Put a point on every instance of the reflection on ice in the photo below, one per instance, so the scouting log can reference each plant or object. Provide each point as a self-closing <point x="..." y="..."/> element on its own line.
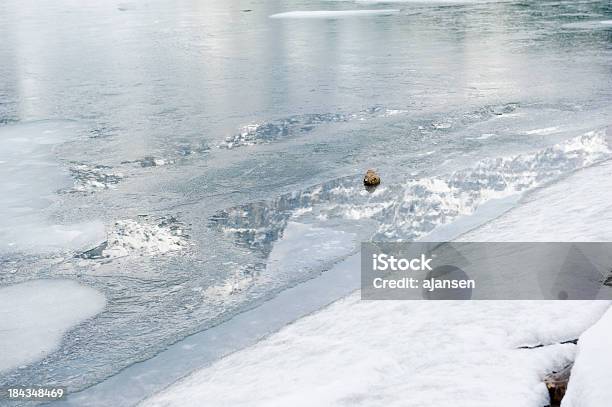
<point x="292" y="126"/>
<point x="266" y="132"/>
<point x="412" y="209"/>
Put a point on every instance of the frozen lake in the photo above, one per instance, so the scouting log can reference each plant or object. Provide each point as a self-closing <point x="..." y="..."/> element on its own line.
<point x="190" y="160"/>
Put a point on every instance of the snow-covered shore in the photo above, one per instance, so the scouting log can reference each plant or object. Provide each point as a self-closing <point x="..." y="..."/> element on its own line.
<point x="424" y="353"/>
<point x="397" y="353"/>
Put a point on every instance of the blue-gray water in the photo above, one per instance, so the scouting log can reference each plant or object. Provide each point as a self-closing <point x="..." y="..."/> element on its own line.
<point x="418" y="94"/>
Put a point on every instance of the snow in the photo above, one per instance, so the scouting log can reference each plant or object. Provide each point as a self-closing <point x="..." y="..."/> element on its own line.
<point x="579" y="208"/>
<point x="335" y="13"/>
<point x="396" y="353"/>
<point x="589" y="384"/>
<point x="131" y="237"/>
<point x="30" y="177"/>
<point x="36" y="314"/>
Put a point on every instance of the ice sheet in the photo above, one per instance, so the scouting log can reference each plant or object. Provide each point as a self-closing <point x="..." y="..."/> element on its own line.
<point x="34" y="315"/>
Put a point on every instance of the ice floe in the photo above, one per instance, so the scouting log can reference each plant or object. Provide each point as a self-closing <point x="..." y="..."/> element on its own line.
<point x="37" y="313"/>
<point x="129" y="237"/>
<point x="30" y="177"/>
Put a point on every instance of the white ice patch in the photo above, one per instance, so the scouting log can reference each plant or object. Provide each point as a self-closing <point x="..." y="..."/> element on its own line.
<point x="395" y="353"/>
<point x="30" y="177"/>
<point x="35" y="315"/>
<point x="589" y="384"/>
<point x="330" y="14"/>
<point x="128" y="237"/>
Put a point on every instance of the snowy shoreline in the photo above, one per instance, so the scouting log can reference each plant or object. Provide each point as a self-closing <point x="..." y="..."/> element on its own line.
<point x="224" y="380"/>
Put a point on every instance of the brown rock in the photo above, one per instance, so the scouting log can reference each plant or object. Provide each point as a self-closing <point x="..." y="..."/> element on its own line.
<point x="556" y="383"/>
<point x="371" y="178"/>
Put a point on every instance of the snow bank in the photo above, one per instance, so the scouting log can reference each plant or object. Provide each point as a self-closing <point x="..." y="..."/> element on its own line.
<point x="30" y="177"/>
<point x="335" y="13"/>
<point x="589" y="384"/>
<point x="34" y="316"/>
<point x="395" y="353"/>
<point x="578" y="206"/>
